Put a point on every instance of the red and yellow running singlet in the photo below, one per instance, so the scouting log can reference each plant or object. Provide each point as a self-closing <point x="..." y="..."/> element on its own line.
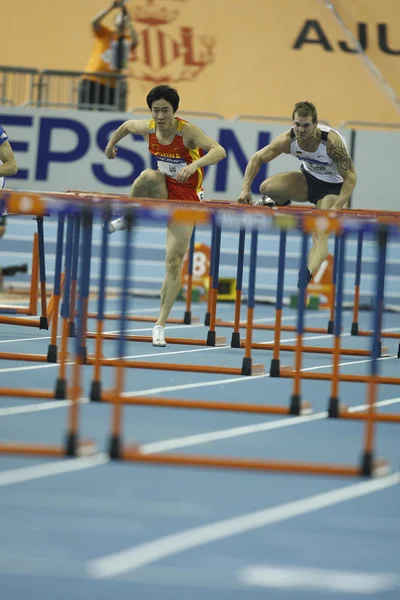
<point x="172" y="158"/>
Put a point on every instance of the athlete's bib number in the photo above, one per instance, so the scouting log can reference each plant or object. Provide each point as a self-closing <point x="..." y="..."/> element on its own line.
<point x="170" y="169"/>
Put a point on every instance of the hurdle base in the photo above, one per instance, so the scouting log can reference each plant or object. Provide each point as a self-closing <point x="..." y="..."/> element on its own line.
<point x="398" y="352"/>
<point x="374" y="468"/>
<point x="295" y="404"/>
<point x="377" y="349"/>
<point x="76" y="447"/>
<point x="210" y="338"/>
<point x="354" y="328"/>
<point x="43" y="323"/>
<point x="333" y="408"/>
<point x="61" y="389"/>
<point x="246" y="366"/>
<point x="331" y="327"/>
<point x="95" y="391"/>
<point x="82" y="354"/>
<point x="52" y="353"/>
<point x="207" y="319"/>
<point x="71" y="329"/>
<point x="235" y="341"/>
<point x="187" y="317"/>
<point x="71" y="445"/>
<point x="114" y="449"/>
<point x="275" y="368"/>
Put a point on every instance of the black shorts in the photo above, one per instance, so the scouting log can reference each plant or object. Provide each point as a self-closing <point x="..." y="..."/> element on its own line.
<point x="317" y="188"/>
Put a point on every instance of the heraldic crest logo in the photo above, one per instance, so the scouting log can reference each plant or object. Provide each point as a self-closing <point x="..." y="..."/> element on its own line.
<point x="168" y="50"/>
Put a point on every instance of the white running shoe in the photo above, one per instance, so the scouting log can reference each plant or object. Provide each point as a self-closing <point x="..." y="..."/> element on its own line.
<point x="266" y="201"/>
<point x="117" y="225"/>
<point x="158" y="336"/>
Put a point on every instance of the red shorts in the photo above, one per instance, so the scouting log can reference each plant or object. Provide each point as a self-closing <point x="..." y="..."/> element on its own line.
<point x="177" y="191"/>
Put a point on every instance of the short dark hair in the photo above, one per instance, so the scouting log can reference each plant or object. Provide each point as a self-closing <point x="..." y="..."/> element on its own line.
<point x="305" y="109"/>
<point x="163" y="92"/>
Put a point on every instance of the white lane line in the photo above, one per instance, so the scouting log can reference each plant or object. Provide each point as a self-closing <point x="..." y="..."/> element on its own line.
<point x="52" y="468"/>
<point x="31" y="339"/>
<point x="224" y="434"/>
<point x="148" y="553"/>
<point x="283" y="577"/>
<point x="32" y="368"/>
<point x="24" y="409"/>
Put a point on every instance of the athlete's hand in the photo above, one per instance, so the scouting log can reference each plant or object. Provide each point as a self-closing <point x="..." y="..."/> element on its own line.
<point x="111" y="151"/>
<point x="185" y="173"/>
<point x="245" y="198"/>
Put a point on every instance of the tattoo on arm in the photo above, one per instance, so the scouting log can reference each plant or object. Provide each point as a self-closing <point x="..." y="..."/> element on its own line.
<point x="338" y="153"/>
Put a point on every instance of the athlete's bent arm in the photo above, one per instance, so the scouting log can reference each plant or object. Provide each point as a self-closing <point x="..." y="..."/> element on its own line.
<point x="9" y="166"/>
<point x="266" y="154"/>
<point x="337" y="151"/>
<point x="194" y="137"/>
<point x="131" y="126"/>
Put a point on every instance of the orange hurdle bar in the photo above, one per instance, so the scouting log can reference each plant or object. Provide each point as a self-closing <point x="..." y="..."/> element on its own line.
<point x="133" y="454"/>
<point x="220" y="341"/>
<point x="310" y="349"/>
<point x="112" y="362"/>
<point x="142" y="319"/>
<point x="22" y="393"/>
<point x="379" y="417"/>
<point x="203" y="404"/>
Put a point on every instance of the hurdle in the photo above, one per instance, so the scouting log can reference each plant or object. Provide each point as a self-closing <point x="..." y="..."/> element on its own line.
<point x="335" y="410"/>
<point x="118" y="450"/>
<point x="237" y="324"/>
<point x="73" y="446"/>
<point x="38" y="264"/>
<point x="247" y="368"/>
<point x="278" y="327"/>
<point x="187" y="318"/>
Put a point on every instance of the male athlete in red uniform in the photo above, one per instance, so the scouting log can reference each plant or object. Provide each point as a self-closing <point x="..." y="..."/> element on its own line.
<point x="182" y="150"/>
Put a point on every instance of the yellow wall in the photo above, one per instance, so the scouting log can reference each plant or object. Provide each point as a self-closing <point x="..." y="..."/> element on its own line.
<point x="253" y="67"/>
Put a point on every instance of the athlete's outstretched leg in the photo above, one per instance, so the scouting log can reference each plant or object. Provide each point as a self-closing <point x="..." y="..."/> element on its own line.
<point x="319" y="249"/>
<point x="281" y="189"/>
<point x="178" y="238"/>
<point x="149" y="184"/>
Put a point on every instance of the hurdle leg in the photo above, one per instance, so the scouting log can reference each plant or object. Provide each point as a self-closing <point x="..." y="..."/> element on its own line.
<point x="210" y="274"/>
<point x="187" y="318"/>
<point x="73" y="446"/>
<point x="86" y="255"/>
<point x="74" y="275"/>
<point x="60" y="391"/>
<point x="52" y="349"/>
<point x="331" y="322"/>
<point x="354" y="325"/>
<point x="42" y="267"/>
<point x="333" y="408"/>
<point x="295" y="401"/>
<point x="275" y="362"/>
<point x="367" y="463"/>
<point x="33" y="293"/>
<point x="235" y="341"/>
<point x="247" y="367"/>
<point x="211" y="335"/>
<point x="115" y="447"/>
<point x="95" y="392"/>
